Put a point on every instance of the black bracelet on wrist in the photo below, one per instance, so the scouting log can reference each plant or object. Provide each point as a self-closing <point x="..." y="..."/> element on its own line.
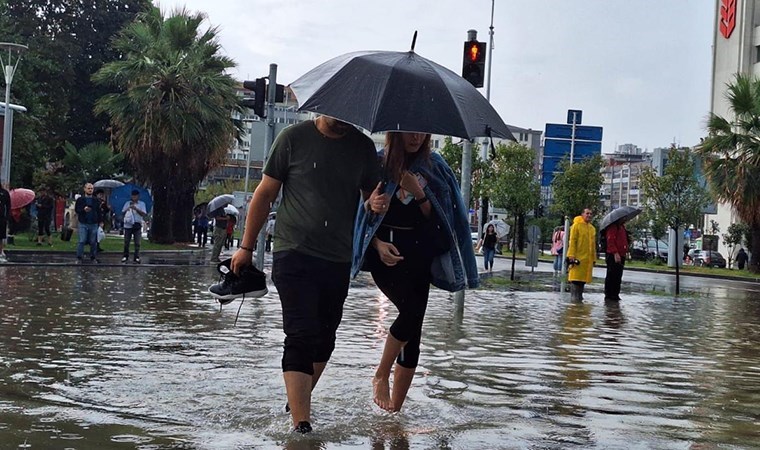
<point x="421" y="200"/>
<point x="247" y="248"/>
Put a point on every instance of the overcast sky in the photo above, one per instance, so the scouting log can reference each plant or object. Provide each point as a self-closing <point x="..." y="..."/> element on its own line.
<point x="639" y="68"/>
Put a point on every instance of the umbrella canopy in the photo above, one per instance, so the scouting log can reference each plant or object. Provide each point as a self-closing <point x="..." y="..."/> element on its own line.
<point x="229" y="209"/>
<point x="108" y="184"/>
<point x="500" y="227"/>
<point x="217" y="203"/>
<point x="21" y="197"/>
<point x="398" y="91"/>
<point x="624" y="212"/>
<point x="123" y="194"/>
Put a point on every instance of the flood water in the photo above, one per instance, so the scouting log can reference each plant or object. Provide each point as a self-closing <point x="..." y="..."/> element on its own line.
<point x="140" y="357"/>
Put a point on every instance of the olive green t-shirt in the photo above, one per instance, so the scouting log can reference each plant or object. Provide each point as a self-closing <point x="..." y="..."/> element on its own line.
<point x="321" y="183"/>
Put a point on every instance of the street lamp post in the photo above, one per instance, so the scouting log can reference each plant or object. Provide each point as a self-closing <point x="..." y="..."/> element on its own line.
<point x="9" y="69"/>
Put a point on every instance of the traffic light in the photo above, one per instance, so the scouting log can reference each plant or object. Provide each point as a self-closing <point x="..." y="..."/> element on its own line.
<point x="474" y="62"/>
<point x="259" y="88"/>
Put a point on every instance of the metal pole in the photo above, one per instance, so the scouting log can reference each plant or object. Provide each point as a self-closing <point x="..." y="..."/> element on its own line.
<point x="6" y="172"/>
<point x="465" y="185"/>
<point x="246" y="201"/>
<point x="271" y="95"/>
<point x="566" y="239"/>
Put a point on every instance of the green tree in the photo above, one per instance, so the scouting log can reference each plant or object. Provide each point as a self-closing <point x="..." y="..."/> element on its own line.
<point x="480" y="175"/>
<point x="733" y="239"/>
<point x="577" y="186"/>
<point x="171" y="113"/>
<point x="68" y="41"/>
<point x="513" y="184"/>
<point x="731" y="154"/>
<point x="676" y="198"/>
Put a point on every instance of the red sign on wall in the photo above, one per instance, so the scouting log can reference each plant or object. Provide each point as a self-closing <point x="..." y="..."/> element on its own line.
<point x="727" y="17"/>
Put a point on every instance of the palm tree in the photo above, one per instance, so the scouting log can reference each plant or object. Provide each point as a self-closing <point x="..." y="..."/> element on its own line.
<point x="171" y="110"/>
<point x="731" y="154"/>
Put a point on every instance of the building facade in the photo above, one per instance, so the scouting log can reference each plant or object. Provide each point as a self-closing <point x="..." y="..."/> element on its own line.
<point x="736" y="49"/>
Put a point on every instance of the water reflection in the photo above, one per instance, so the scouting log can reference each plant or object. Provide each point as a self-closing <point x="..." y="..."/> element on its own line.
<point x="97" y="357"/>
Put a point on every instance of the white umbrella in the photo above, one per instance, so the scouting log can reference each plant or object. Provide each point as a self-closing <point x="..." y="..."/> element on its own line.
<point x="499" y="226"/>
<point x="219" y="202"/>
<point x="229" y="209"/>
<point x="108" y="184"/>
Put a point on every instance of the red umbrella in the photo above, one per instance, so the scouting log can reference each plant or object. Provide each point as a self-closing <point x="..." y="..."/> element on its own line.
<point x="21" y="197"/>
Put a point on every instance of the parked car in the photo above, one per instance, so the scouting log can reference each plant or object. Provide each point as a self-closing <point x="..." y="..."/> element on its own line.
<point x="707" y="258"/>
<point x="647" y="251"/>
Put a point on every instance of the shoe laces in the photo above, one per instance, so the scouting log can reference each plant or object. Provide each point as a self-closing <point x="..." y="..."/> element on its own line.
<point x="225" y="279"/>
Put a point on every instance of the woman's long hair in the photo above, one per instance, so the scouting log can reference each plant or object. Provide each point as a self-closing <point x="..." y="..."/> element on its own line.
<point x="397" y="159"/>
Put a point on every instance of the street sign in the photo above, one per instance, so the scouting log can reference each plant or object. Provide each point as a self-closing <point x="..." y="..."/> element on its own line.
<point x="534" y="234"/>
<point x="568" y="140"/>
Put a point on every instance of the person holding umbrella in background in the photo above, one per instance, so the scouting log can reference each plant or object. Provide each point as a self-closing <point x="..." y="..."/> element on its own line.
<point x="616" y="237"/>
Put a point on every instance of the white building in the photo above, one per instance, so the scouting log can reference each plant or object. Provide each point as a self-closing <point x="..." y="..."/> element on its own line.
<point x="736" y="49"/>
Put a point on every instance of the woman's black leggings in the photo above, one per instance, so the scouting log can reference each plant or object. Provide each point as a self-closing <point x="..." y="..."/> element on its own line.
<point x="407" y="285"/>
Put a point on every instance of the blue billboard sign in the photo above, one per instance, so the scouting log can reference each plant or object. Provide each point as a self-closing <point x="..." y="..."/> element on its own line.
<point x="585" y="140"/>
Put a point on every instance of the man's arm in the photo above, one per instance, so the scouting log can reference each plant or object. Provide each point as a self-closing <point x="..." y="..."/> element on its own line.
<point x="258" y="210"/>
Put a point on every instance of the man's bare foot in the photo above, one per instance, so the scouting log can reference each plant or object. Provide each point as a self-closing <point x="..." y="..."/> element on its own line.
<point x="382" y="393"/>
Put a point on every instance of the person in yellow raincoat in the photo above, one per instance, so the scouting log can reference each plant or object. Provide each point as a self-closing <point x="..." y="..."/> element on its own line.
<point x="581" y="249"/>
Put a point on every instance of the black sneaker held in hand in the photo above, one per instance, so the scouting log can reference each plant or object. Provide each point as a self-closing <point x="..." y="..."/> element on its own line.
<point x="251" y="282"/>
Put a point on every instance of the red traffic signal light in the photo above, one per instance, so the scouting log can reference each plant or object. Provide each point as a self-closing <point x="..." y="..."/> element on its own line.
<point x="474" y="62"/>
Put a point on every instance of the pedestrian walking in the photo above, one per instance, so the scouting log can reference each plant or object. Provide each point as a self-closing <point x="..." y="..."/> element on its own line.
<point x="219" y="237"/>
<point x="200" y="229"/>
<point x="558" y="241"/>
<point x="89" y="217"/>
<point x="418" y="228"/>
<point x="741" y="258"/>
<point x="616" y="237"/>
<point x="134" y="212"/>
<point x="581" y="254"/>
<point x="321" y="166"/>
<point x="487" y="243"/>
<point x="270" y="233"/>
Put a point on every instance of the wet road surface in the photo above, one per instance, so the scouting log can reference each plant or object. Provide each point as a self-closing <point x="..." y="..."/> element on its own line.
<point x="113" y="356"/>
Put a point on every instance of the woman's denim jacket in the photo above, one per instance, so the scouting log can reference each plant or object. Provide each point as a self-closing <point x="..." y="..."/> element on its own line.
<point x="452" y="269"/>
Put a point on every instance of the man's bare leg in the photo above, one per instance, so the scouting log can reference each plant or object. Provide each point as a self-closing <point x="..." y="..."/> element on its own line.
<point x="381" y="381"/>
<point x="319" y="368"/>
<point x="402" y="379"/>
<point x="298" y="388"/>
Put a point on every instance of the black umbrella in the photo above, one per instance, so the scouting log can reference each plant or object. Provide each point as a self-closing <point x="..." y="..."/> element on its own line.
<point x="624" y="212"/>
<point x="398" y="91"/>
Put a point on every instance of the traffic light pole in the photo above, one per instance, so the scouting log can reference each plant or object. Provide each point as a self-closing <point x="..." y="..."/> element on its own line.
<point x="566" y="238"/>
<point x="271" y="96"/>
<point x="465" y="185"/>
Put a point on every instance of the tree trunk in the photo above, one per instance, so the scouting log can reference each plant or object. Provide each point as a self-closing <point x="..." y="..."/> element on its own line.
<point x="161" y="228"/>
<point x="520" y="221"/>
<point x="514" y="251"/>
<point x="754" y="262"/>
<point x="182" y="216"/>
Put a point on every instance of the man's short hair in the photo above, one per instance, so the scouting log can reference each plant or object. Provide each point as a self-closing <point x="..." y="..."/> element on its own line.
<point x="135" y="192"/>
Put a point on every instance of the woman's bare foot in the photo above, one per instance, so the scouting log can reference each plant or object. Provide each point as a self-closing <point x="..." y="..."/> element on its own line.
<point x="382" y="393"/>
